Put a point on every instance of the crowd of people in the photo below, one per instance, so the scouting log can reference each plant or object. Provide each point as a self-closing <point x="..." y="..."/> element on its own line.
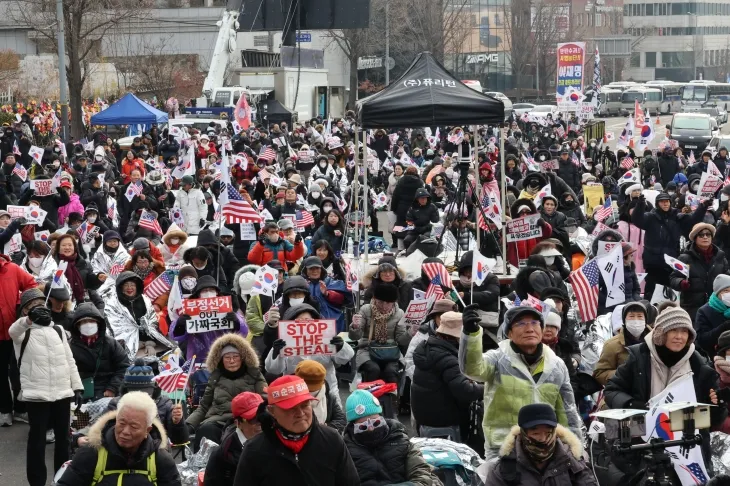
<point x="93" y="292"/>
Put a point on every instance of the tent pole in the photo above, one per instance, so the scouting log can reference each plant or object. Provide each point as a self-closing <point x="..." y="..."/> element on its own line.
<point x="505" y="265"/>
<point x="478" y="186"/>
<point x="353" y="201"/>
<point x="366" y="196"/>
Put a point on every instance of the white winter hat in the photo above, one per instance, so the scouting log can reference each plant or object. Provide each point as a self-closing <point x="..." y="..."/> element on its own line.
<point x="245" y="281"/>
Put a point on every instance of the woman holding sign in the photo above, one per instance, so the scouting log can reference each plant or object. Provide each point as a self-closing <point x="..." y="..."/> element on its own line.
<point x="520" y="250"/>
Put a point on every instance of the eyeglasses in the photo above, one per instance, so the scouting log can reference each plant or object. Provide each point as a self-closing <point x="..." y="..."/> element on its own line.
<point x="522" y="324"/>
<point x="368" y="424"/>
<point x="704" y="234"/>
<point x="232" y="357"/>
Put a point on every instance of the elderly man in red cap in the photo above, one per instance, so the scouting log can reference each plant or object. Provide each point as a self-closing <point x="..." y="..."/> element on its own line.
<point x="221" y="468"/>
<point x="293" y="447"/>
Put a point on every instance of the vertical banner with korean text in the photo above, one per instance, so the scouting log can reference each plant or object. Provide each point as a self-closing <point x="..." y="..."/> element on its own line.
<point x="571" y="58"/>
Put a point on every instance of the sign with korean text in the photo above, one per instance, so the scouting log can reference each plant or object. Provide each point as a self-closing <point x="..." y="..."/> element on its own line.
<point x="308" y="337"/>
<point x="426" y="82"/>
<point x="208" y="314"/>
<point x="571" y="58"/>
<point x="524" y="228"/>
<point x="416" y="311"/>
<point x="42" y="187"/>
<point x="548" y="165"/>
<point x="709" y="185"/>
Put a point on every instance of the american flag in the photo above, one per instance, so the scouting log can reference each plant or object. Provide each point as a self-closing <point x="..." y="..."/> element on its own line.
<point x="160" y="285"/>
<point x="20" y="171"/>
<point x="110" y="210"/>
<point x="84" y="229"/>
<point x="136" y="188"/>
<point x="267" y="153"/>
<point x="186" y="366"/>
<point x="627" y="163"/>
<point x="439" y="276"/>
<point x="148" y="220"/>
<point x="585" y="287"/>
<point x="171" y="382"/>
<point x="691" y="159"/>
<point x="575" y="159"/>
<point x="303" y="219"/>
<point x="236" y="209"/>
<point x="116" y="269"/>
<point x="486" y="205"/>
<point x="605" y="211"/>
<point x="16" y="149"/>
<point x="695" y="470"/>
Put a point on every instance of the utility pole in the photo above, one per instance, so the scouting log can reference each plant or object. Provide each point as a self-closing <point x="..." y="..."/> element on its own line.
<point x="387" y="42"/>
<point x="537" y="68"/>
<point x="62" y="70"/>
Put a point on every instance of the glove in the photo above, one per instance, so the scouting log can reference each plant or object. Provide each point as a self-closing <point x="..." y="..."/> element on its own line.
<point x="356" y="321"/>
<point x="274" y="317"/>
<point x="338" y="342"/>
<point x="181" y="326"/>
<point x="21" y="221"/>
<point x="471" y="319"/>
<point x="277" y="347"/>
<point x="298" y="238"/>
<point x="232" y="317"/>
<point x="202" y="222"/>
<point x="78" y="399"/>
<point x="40" y="315"/>
<point x="684" y="284"/>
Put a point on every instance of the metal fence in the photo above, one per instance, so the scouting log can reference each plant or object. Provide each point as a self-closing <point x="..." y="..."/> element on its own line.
<point x="6" y="97"/>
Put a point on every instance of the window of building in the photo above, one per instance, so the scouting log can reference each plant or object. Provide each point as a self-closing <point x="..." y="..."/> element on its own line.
<point x="650" y="59"/>
<point x="599" y="20"/>
<point x="635" y="59"/>
<point x="678" y="9"/>
<point x="677" y="59"/>
<point x="649" y="9"/>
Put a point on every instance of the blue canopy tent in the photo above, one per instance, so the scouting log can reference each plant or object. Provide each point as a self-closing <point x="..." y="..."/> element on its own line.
<point x="129" y="110"/>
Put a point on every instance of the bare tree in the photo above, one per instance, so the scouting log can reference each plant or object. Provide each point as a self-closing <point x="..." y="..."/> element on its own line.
<point x="9" y="63"/>
<point x="87" y="23"/>
<point x="438" y="26"/>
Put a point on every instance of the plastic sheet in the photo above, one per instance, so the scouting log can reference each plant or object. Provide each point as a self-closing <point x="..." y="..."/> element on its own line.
<point x="195" y="463"/>
<point x="598" y="333"/>
<point x="470" y="460"/>
<point x="720" y="445"/>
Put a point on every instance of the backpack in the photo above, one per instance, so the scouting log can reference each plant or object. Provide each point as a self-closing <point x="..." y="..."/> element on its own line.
<point x="100" y="470"/>
<point x="58" y="329"/>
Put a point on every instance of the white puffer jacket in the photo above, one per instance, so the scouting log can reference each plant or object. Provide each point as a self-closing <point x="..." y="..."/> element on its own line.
<point x="193" y="208"/>
<point x="48" y="370"/>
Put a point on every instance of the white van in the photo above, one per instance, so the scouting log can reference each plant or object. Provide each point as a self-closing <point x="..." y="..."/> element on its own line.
<point x="501" y="97"/>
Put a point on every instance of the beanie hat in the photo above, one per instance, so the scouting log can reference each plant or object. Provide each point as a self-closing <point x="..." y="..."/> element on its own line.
<point x="29" y="295"/>
<point x="635" y="306"/>
<point x="139" y="375"/>
<point x="672" y="318"/>
<point x="313" y="374"/>
<point x="536" y="414"/>
<point x="553" y="319"/>
<point x="721" y="282"/>
<point x="229" y="348"/>
<point x="187" y="271"/>
<point x="111" y="235"/>
<point x="141" y="244"/>
<point x="386" y="292"/>
<point x="723" y="343"/>
<point x="361" y="403"/>
<point x="699" y="227"/>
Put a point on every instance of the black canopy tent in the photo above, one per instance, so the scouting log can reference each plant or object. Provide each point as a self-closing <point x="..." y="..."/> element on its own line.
<point x="274" y="112"/>
<point x="427" y="95"/>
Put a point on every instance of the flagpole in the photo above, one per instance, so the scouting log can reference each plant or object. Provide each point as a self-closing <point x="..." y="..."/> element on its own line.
<point x="187" y="379"/>
<point x="477" y="188"/>
<point x="366" y="196"/>
<point x="354" y="208"/>
<point x="505" y="265"/>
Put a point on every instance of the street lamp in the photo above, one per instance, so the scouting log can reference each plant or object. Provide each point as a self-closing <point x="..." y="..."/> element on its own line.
<point x="694" y="45"/>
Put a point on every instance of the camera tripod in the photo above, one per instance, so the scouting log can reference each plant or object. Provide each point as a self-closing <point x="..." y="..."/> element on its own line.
<point x="659" y="470"/>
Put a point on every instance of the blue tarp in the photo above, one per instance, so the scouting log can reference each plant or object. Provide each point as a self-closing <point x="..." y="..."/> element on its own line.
<point x="129" y="110"/>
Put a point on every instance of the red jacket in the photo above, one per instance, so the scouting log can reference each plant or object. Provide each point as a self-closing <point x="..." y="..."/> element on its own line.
<point x="520" y="250"/>
<point x="263" y="253"/>
<point x="13" y="281"/>
<point x="128" y="167"/>
<point x="203" y="152"/>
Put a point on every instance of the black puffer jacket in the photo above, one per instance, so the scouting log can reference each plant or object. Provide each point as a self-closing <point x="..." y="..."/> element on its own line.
<point x="557" y="223"/>
<point x="663" y="229"/>
<point x="570" y="173"/>
<point x="701" y="277"/>
<point x="106" y="360"/>
<point x="221" y="467"/>
<point x="572" y="210"/>
<point x="394" y="460"/>
<point x="422" y="216"/>
<point x="403" y="196"/>
<point x="632" y="383"/>
<point x="229" y="262"/>
<point x="440" y="392"/>
<point x="668" y="168"/>
<point x="324" y="460"/>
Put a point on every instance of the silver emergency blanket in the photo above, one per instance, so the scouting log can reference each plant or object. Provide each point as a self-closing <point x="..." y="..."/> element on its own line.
<point x="123" y="325"/>
<point x="720" y="445"/>
<point x="102" y="263"/>
<point x="469" y="458"/>
<point x="599" y="331"/>
<point x="195" y="463"/>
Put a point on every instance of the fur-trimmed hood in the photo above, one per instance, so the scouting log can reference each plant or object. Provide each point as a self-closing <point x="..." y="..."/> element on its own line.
<point x="568" y="439"/>
<point x="369" y="276"/>
<point x="248" y="355"/>
<point x="172" y="232"/>
<point x="237" y="276"/>
<point x="96" y="432"/>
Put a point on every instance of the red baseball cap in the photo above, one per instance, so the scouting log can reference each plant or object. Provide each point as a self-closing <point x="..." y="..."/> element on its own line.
<point x="246" y="404"/>
<point x="288" y="392"/>
<point x="66" y="184"/>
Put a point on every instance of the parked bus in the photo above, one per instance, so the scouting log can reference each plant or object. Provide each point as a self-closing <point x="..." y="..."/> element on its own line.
<point x="621" y="85"/>
<point x="672" y="97"/>
<point x="695" y="95"/>
<point x="610" y="101"/>
<point x="650" y="99"/>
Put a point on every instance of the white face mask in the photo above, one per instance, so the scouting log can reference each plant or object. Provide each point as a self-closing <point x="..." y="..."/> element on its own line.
<point x="297" y="301"/>
<point x="726" y="299"/>
<point x="188" y="283"/>
<point x="199" y="268"/>
<point x="174" y="241"/>
<point x="35" y="261"/>
<point x="326" y="208"/>
<point x="315" y="195"/>
<point x="98" y="157"/>
<point x="207" y="294"/>
<point x="464" y="280"/>
<point x="724" y="197"/>
<point x="91" y="219"/>
<point x="635" y="327"/>
<point x="88" y="329"/>
<point x="549" y="260"/>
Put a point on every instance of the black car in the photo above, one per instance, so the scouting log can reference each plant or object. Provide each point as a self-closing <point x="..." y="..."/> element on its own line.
<point x="693" y="131"/>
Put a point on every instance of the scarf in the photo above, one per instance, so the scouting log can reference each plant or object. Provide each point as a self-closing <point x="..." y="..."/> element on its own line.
<point x="319" y="407"/>
<point x="381" y="312"/>
<point x="669" y="357"/>
<point x="89" y="340"/>
<point x="142" y="273"/>
<point x="530" y="359"/>
<point x="718" y="305"/>
<point x="293" y="442"/>
<point x="706" y="254"/>
<point x="74" y="277"/>
<point x="722" y="366"/>
<point x="539" y="452"/>
<point x="27" y="234"/>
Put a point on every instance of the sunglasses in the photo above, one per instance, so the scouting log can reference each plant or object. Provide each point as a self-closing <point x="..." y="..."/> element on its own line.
<point x="368" y="424"/>
<point x="704" y="234"/>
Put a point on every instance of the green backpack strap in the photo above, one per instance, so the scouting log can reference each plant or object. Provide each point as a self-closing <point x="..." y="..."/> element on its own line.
<point x="101" y="457"/>
<point x="152" y="468"/>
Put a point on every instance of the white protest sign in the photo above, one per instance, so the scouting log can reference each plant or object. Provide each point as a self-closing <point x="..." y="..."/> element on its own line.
<point x="248" y="232"/>
<point x="42" y="187"/>
<point x="415" y="313"/>
<point x="308" y="337"/>
<point x="600" y="227"/>
<point x="709" y="184"/>
<point x="306" y="156"/>
<point x="207" y="314"/>
<point x="524" y="228"/>
<point x="16" y="211"/>
<point x="548" y="165"/>
<point x="419" y="294"/>
<point x="14" y="245"/>
<point x="605" y="247"/>
<point x="650" y="196"/>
